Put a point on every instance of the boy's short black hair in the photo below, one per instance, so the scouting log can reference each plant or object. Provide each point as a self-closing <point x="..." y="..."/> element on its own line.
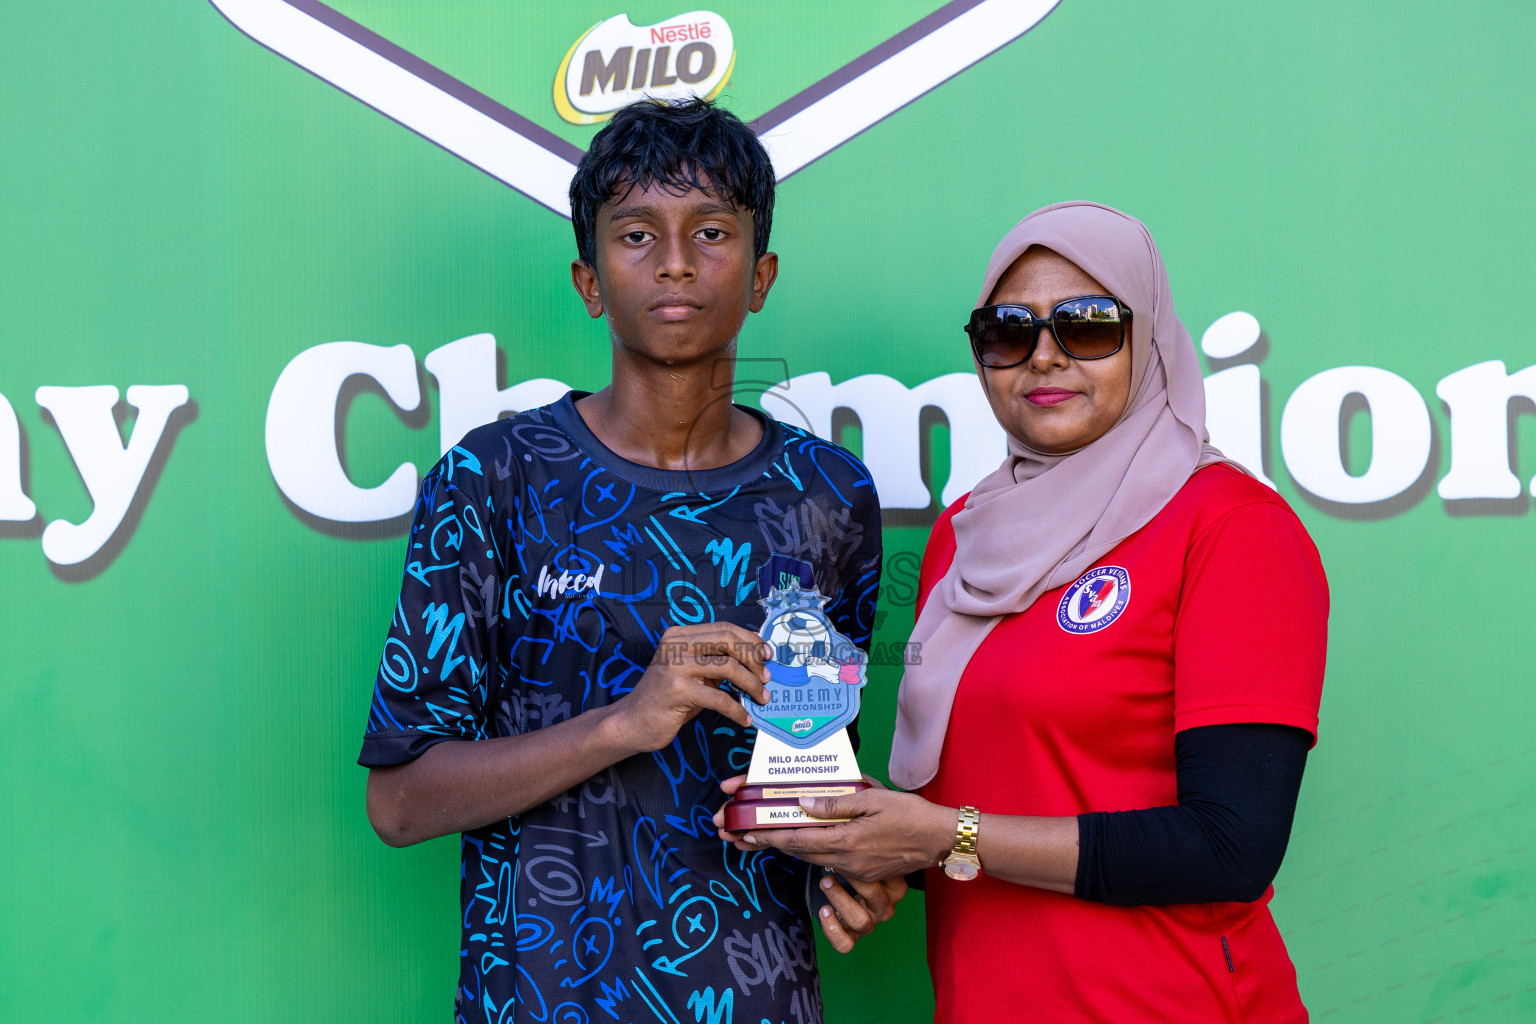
<point x="679" y="146"/>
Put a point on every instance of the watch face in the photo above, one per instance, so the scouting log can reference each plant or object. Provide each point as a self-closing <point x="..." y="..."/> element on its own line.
<point x="961" y="870"/>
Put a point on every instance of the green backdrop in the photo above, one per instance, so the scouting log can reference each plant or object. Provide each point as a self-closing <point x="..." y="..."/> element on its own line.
<point x="184" y="837"/>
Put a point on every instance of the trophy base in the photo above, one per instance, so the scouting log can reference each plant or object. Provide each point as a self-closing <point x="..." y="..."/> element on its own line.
<point x="777" y="804"/>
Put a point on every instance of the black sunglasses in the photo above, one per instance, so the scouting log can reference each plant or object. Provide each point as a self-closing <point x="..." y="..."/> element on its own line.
<point x="1087" y="327"/>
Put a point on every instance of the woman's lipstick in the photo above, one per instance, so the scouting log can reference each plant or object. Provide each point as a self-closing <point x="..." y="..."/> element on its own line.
<point x="1049" y="396"/>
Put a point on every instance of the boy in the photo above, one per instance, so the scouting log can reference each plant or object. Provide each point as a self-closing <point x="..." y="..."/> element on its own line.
<point x="581" y="581"/>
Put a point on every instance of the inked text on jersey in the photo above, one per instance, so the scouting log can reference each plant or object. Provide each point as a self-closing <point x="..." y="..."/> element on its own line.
<point x="568" y="582"/>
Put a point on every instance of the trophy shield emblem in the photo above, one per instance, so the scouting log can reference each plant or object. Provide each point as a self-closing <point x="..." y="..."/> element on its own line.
<point x="802" y="747"/>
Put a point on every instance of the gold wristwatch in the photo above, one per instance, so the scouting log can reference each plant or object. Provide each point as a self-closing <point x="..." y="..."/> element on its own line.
<point x="962" y="864"/>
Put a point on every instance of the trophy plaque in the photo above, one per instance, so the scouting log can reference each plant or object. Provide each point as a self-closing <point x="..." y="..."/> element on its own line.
<point x="802" y="747"/>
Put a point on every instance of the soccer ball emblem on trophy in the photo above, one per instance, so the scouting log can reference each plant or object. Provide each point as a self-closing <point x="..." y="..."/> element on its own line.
<point x="802" y="747"/>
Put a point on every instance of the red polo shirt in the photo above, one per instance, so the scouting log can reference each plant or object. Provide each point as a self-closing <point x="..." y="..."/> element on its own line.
<point x="1213" y="613"/>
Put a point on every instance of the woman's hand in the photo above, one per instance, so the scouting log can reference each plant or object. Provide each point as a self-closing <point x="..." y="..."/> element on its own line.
<point x="887" y="834"/>
<point x="848" y="916"/>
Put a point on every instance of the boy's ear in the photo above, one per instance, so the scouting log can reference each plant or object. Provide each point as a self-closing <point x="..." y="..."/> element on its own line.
<point x="763" y="275"/>
<point x="584" y="278"/>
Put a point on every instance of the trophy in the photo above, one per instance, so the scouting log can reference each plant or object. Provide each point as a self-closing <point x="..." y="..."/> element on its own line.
<point x="802" y="747"/>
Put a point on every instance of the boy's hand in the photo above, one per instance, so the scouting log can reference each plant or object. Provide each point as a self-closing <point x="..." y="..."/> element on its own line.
<point x="684" y="678"/>
<point x="849" y="916"/>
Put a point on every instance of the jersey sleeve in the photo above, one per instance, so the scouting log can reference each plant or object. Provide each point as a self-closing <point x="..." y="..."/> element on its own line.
<point x="1250" y="640"/>
<point x="432" y="681"/>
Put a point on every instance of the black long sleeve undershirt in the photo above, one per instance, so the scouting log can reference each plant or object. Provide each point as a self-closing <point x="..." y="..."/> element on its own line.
<point x="1223" y="841"/>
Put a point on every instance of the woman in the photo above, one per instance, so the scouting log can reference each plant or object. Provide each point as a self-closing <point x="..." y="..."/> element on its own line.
<point x="1123" y="637"/>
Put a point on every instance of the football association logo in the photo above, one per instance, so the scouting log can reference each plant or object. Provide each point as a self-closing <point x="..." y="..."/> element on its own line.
<point x="1095" y="600"/>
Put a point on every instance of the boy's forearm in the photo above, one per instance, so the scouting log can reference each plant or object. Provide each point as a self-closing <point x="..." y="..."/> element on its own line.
<point x="458" y="785"/>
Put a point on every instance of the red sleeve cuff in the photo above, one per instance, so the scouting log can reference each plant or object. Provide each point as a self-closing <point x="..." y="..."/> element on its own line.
<point x="1246" y="713"/>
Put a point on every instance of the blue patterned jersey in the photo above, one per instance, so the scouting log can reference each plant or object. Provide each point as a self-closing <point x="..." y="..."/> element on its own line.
<point x="541" y="570"/>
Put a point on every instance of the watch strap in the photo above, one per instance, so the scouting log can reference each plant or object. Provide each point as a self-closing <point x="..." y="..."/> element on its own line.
<point x="967" y="831"/>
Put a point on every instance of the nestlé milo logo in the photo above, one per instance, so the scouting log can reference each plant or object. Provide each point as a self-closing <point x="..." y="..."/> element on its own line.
<point x="615" y="63"/>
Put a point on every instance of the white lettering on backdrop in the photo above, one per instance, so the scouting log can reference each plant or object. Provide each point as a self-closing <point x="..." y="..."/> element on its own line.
<point x="303" y="453"/>
<point x="111" y="471"/>
<point x="1478" y="398"/>
<point x="14" y="503"/>
<point x="1400" y="435"/>
<point x="890" y="418"/>
<point x="1233" y="401"/>
<point x="301" y="431"/>
<point x="890" y="415"/>
<point x="466" y="379"/>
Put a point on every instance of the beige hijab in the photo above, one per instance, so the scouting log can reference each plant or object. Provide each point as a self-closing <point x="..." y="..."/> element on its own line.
<point x="1039" y="521"/>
